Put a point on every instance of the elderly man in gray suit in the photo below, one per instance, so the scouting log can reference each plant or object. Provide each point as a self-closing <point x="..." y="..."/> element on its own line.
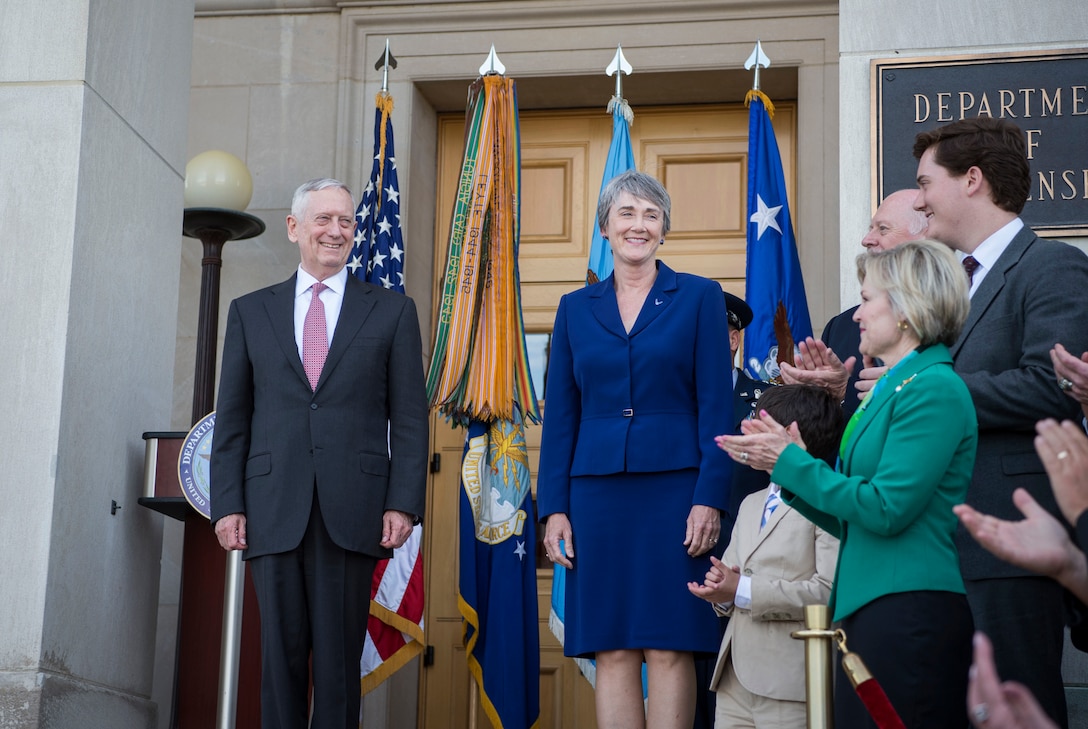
<point x="319" y="461"/>
<point x="1026" y="294"/>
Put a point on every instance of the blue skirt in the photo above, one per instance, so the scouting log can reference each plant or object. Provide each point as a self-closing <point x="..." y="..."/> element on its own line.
<point x="628" y="588"/>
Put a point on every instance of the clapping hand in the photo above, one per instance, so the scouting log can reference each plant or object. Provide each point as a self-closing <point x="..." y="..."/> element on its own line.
<point x="818" y="365"/>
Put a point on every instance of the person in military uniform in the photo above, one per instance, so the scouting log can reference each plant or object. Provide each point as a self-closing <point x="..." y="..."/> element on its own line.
<point x="746" y="393"/>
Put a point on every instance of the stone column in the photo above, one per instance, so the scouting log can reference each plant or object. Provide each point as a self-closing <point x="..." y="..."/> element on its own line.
<point x="93" y="113"/>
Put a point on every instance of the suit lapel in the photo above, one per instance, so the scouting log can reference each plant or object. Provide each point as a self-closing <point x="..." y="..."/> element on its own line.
<point x="994" y="282"/>
<point x="605" y="307"/>
<point x="926" y="358"/>
<point x="281" y="313"/>
<point x="772" y="522"/>
<point x="658" y="300"/>
<point x="356" y="307"/>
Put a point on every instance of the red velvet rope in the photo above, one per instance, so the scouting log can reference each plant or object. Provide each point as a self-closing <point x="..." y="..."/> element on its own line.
<point x="878" y="705"/>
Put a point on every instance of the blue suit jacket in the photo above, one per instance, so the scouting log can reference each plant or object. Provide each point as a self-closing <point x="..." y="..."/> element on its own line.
<point x="648" y="400"/>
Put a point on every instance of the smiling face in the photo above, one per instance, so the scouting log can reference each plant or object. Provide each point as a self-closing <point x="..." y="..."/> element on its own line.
<point x="634" y="229"/>
<point x="943" y="199"/>
<point x="324" y="232"/>
<point x="896" y="221"/>
<point x="881" y="336"/>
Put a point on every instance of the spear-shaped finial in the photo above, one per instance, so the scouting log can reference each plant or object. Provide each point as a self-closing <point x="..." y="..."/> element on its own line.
<point x="757" y="59"/>
<point x="618" y="68"/>
<point x="492" y="65"/>
<point x="384" y="63"/>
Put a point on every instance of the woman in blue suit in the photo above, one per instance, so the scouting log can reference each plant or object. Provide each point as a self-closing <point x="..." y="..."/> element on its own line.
<point x="906" y="458"/>
<point x="630" y="479"/>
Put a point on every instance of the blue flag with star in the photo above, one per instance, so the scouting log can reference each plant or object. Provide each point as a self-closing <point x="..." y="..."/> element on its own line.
<point x="774" y="287"/>
<point x="620" y="159"/>
<point x="378" y="253"/>
<point x="497" y="587"/>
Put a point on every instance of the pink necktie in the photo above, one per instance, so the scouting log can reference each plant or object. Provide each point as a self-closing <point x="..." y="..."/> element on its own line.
<point x="315" y="337"/>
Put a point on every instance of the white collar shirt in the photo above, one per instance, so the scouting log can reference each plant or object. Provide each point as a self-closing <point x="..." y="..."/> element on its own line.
<point x="989" y="250"/>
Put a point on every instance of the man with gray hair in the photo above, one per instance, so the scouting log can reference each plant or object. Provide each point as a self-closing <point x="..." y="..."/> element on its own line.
<point x="834" y="362"/>
<point x="319" y="461"/>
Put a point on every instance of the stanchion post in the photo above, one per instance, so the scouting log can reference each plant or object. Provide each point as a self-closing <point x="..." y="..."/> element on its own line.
<point x="818" y="668"/>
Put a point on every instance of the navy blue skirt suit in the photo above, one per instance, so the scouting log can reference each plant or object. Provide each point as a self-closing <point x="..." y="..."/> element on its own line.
<point x="627" y="449"/>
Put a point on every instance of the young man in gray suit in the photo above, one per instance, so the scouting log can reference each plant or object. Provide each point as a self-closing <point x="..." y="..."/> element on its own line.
<point x="319" y="460"/>
<point x="1026" y="294"/>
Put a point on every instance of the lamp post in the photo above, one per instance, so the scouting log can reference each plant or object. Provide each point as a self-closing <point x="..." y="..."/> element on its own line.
<point x="217" y="187"/>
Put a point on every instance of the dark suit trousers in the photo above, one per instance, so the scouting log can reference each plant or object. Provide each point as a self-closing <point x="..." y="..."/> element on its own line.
<point x="1024" y="617"/>
<point x="316" y="599"/>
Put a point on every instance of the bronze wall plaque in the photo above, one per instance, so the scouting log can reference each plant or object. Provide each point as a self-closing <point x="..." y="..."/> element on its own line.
<point x="1044" y="93"/>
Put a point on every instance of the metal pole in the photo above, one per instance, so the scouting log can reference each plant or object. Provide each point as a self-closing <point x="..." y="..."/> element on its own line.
<point x="818" y="686"/>
<point x="226" y="708"/>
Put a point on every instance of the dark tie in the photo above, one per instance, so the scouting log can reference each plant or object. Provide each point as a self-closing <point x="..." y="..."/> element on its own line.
<point x="315" y="337"/>
<point x="969" y="265"/>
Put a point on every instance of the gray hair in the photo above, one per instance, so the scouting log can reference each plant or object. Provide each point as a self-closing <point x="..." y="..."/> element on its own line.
<point x="640" y="185"/>
<point x="302" y="194"/>
<point x="926" y="286"/>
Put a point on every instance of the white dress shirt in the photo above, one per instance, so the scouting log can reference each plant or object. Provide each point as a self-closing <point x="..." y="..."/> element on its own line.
<point x="989" y="250"/>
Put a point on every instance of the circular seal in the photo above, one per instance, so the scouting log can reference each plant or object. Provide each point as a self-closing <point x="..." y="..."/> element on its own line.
<point x="194" y="465"/>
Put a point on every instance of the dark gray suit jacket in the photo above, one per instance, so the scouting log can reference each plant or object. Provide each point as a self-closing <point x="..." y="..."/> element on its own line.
<point x="1036" y="295"/>
<point x="275" y="439"/>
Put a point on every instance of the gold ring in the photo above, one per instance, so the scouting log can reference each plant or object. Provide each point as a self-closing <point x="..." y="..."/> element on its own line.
<point x="1062" y="455"/>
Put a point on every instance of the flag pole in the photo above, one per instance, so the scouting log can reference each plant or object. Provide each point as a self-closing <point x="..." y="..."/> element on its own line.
<point x="619" y="67"/>
<point x="384" y="63"/>
<point x="492" y="65"/>
<point x="757" y="59"/>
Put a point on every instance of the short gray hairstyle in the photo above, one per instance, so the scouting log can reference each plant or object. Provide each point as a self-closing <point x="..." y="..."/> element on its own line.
<point x="926" y="285"/>
<point x="302" y="194"/>
<point x="640" y="185"/>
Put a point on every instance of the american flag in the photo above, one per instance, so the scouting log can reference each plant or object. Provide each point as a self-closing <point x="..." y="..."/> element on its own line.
<point x="395" y="628"/>
<point x="378" y="253"/>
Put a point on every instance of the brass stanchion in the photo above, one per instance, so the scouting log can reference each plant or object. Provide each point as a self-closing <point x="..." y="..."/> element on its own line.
<point x="818" y="668"/>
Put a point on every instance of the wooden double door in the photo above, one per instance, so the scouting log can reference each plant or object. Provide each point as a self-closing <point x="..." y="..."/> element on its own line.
<point x="700" y="154"/>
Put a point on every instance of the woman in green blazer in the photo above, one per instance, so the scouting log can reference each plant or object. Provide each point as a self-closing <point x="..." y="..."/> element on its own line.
<point x="906" y="458"/>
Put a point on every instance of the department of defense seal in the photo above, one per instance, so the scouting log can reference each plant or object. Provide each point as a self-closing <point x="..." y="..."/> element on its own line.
<point x="194" y="465"/>
<point x="495" y="476"/>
